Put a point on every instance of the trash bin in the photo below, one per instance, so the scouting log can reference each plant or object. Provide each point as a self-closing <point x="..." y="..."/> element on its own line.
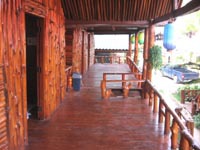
<point x="76" y="81"/>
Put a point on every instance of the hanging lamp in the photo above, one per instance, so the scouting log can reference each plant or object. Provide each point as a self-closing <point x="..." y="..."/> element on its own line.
<point x="169" y="37"/>
<point x="133" y="39"/>
<point x="141" y="38"/>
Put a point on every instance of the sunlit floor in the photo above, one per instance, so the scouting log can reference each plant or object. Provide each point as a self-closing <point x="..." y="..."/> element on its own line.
<point x="86" y="122"/>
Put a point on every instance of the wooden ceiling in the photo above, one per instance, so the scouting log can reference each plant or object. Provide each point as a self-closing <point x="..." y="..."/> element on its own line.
<point x="120" y="16"/>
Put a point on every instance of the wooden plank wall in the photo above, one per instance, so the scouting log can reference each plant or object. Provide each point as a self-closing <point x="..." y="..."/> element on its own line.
<point x="3" y="112"/>
<point x="13" y="57"/>
<point x="85" y="52"/>
<point x="77" y="50"/>
<point x="69" y="43"/>
<point x="83" y="49"/>
<point x="91" y="49"/>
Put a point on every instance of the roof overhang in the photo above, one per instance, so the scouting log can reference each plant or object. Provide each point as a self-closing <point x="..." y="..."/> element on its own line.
<point x="123" y="17"/>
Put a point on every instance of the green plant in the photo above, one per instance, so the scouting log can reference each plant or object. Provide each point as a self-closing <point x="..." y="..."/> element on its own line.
<point x="155" y="57"/>
<point x="197" y="121"/>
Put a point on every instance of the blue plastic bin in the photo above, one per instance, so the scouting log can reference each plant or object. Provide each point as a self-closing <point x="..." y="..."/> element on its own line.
<point x="76" y="81"/>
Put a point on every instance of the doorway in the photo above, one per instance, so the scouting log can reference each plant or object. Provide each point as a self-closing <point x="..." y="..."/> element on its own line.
<point x="33" y="63"/>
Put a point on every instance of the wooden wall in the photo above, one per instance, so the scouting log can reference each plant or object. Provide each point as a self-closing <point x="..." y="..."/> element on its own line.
<point x="82" y="49"/>
<point x="91" y="49"/>
<point x="77" y="50"/>
<point x="69" y="44"/>
<point x="85" y="52"/>
<point x="3" y="111"/>
<point x="13" y="58"/>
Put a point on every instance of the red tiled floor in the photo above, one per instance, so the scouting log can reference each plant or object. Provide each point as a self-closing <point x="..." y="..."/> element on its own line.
<point x="86" y="122"/>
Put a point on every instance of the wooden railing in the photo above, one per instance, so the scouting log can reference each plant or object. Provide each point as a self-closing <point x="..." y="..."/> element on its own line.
<point x="106" y="92"/>
<point x="188" y="95"/>
<point x="68" y="72"/>
<point x="108" y="59"/>
<point x="192" y="96"/>
<point x="182" y="123"/>
<point x="133" y="67"/>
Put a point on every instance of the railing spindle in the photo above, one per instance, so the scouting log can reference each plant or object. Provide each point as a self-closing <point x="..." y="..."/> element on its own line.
<point x="174" y="136"/>
<point x="167" y="122"/>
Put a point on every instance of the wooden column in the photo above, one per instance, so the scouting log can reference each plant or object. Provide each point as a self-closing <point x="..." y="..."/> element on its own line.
<point x="151" y="41"/>
<point x="145" y="53"/>
<point x="129" y="47"/>
<point x="136" y="48"/>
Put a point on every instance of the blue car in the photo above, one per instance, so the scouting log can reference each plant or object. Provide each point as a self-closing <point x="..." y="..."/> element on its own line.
<point x="179" y="73"/>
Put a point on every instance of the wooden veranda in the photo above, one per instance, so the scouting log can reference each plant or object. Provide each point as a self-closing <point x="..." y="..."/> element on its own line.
<point x="39" y="39"/>
<point x="86" y="121"/>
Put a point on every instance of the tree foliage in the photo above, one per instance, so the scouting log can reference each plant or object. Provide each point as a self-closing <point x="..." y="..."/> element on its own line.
<point x="192" y="24"/>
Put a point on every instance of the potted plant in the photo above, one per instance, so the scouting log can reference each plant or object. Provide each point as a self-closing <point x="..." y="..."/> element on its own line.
<point x="155" y="57"/>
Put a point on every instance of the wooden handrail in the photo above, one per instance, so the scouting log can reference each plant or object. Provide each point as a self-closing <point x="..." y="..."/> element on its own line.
<point x="68" y="72"/>
<point x="108" y="59"/>
<point x="178" y="126"/>
<point x="132" y="65"/>
<point x="123" y="76"/>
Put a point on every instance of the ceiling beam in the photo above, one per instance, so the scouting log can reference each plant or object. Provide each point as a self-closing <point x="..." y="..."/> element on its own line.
<point x="72" y="23"/>
<point x="113" y="32"/>
<point x="192" y="6"/>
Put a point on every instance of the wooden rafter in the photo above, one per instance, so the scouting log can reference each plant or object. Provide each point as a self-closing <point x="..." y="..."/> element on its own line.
<point x="192" y="6"/>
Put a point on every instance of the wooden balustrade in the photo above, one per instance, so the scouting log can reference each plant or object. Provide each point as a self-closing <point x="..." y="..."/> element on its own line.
<point x="188" y="95"/>
<point x="133" y="66"/>
<point x="192" y="96"/>
<point x="176" y="120"/>
<point x="68" y="72"/>
<point x="182" y="122"/>
<point x="108" y="59"/>
<point x="106" y="92"/>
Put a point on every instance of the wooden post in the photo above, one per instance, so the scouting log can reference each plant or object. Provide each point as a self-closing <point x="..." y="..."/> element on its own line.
<point x="151" y="95"/>
<point x="145" y="54"/>
<point x="136" y="48"/>
<point x="174" y="136"/>
<point x="160" y="111"/>
<point x="104" y="76"/>
<point x="184" y="144"/>
<point x="139" y="78"/>
<point x="111" y="59"/>
<point x="167" y="122"/>
<point x="155" y="105"/>
<point x="103" y="88"/>
<point x="190" y="126"/>
<point x="151" y="43"/>
<point x="183" y="96"/>
<point x="129" y="47"/>
<point x="69" y="83"/>
<point x="123" y="78"/>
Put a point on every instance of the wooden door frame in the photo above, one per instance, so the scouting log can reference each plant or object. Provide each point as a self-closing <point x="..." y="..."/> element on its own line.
<point x="40" y="65"/>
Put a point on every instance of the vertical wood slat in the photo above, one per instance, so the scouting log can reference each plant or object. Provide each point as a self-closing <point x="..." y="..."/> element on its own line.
<point x="3" y="114"/>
